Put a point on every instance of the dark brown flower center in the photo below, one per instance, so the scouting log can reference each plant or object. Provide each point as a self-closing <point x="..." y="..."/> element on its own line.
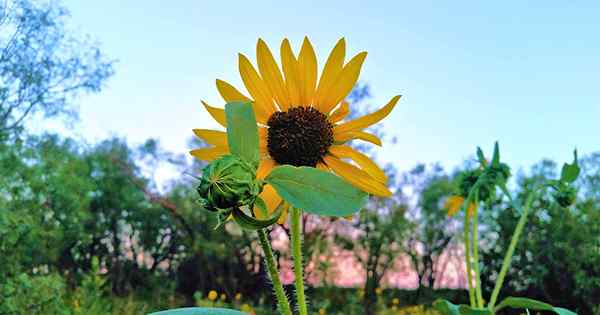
<point x="300" y="136"/>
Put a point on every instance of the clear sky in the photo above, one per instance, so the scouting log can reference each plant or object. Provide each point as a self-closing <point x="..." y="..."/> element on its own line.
<point x="470" y="72"/>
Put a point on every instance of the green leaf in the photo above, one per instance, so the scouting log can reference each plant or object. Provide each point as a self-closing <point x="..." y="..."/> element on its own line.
<point x="445" y="307"/>
<point x="316" y="191"/>
<point x="199" y="311"/>
<point x="570" y="172"/>
<point x="467" y="310"/>
<point x="242" y="132"/>
<point x="517" y="302"/>
<point x="249" y="223"/>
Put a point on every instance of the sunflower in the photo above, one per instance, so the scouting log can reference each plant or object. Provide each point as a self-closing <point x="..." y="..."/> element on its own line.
<point x="301" y="120"/>
<point x="454" y="203"/>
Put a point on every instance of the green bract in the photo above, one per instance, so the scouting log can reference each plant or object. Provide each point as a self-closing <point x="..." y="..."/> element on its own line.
<point x="228" y="182"/>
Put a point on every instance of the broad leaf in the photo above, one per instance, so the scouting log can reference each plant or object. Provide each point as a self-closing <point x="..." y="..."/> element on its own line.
<point x="242" y="132"/>
<point x="525" y="303"/>
<point x="570" y="172"/>
<point x="467" y="310"/>
<point x="249" y="223"/>
<point x="445" y="307"/>
<point x="199" y="311"/>
<point x="316" y="191"/>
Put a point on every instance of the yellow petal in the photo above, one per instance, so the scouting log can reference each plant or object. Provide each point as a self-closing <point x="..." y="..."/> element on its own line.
<point x="365" y="163"/>
<point x="270" y="73"/>
<point x="307" y="68"/>
<point x="217" y="113"/>
<point x="257" y="88"/>
<point x="344" y="83"/>
<point x="367" y="120"/>
<point x="262" y="139"/>
<point x="265" y="168"/>
<point x="322" y="166"/>
<point x="351" y="135"/>
<point x="289" y="65"/>
<point x="271" y="198"/>
<point x="284" y="214"/>
<point x="340" y="113"/>
<point x="331" y="71"/>
<point x="229" y="93"/>
<point x="212" y="137"/>
<point x="209" y="154"/>
<point x="357" y="177"/>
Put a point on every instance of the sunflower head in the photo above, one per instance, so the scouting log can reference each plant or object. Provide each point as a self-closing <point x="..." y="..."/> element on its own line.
<point x="228" y="182"/>
<point x="301" y="115"/>
<point x="300" y="136"/>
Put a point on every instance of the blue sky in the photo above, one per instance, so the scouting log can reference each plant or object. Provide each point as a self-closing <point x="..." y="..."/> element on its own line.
<point x="470" y="73"/>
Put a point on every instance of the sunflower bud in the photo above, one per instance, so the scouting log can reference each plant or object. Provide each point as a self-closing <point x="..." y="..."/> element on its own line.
<point x="228" y="182"/>
<point x="498" y="174"/>
<point x="565" y="196"/>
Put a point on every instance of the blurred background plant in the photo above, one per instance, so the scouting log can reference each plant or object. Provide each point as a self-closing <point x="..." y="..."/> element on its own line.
<point x="86" y="229"/>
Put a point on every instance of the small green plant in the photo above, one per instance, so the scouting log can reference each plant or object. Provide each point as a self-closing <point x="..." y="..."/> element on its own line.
<point x="480" y="186"/>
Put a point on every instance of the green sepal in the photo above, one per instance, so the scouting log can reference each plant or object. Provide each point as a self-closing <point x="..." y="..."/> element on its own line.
<point x="481" y="157"/>
<point x="242" y="132"/>
<point x="525" y="303"/>
<point x="199" y="311"/>
<point x="316" y="191"/>
<point x="222" y="216"/>
<point x="249" y="223"/>
<point x="496" y="156"/>
<point x="570" y="172"/>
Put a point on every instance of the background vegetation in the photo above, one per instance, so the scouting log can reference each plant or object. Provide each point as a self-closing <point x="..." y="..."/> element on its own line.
<point x="85" y="229"/>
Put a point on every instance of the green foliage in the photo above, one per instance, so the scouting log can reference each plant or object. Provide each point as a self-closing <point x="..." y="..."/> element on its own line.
<point x="33" y="294"/>
<point x="316" y="191"/>
<point x="199" y="311"/>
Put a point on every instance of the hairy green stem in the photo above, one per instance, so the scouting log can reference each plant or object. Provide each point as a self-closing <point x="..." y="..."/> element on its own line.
<point x="512" y="246"/>
<point x="297" y="255"/>
<point x="282" y="300"/>
<point x="476" y="256"/>
<point x="468" y="259"/>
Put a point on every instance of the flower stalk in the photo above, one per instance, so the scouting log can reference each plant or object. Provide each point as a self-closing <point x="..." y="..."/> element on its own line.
<point x="476" y="257"/>
<point x="468" y="261"/>
<point x="282" y="300"/>
<point x="296" y="238"/>
<point x="513" y="244"/>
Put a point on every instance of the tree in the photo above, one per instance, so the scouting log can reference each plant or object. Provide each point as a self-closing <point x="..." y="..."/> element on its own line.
<point x="432" y="231"/>
<point x="382" y="230"/>
<point x="42" y="66"/>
